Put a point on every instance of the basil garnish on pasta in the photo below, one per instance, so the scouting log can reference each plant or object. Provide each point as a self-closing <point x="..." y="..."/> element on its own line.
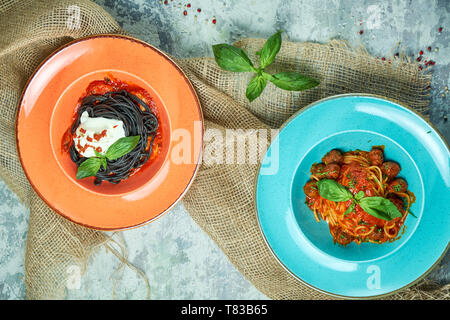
<point x="378" y="207"/>
<point x="121" y="147"/>
<point x="331" y="190"/>
<point x="90" y="166"/>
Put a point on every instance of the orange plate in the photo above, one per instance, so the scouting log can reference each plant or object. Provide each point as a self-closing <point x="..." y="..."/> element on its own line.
<point x="46" y="110"/>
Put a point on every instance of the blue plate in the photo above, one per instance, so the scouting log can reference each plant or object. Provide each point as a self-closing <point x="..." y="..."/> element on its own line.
<point x="305" y="247"/>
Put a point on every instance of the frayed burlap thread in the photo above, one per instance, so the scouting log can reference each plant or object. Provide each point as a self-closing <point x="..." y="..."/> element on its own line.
<point x="221" y="199"/>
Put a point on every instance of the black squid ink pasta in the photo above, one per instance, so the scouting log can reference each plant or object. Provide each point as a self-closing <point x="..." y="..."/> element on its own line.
<point x="137" y="118"/>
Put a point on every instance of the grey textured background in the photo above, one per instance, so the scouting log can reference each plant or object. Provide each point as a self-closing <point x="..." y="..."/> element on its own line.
<point x="179" y="259"/>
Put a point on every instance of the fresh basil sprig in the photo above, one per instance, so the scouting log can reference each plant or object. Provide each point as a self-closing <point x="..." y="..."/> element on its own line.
<point x="270" y="49"/>
<point x="378" y="207"/>
<point x="255" y="87"/>
<point x="121" y="147"/>
<point x="293" y="81"/>
<point x="234" y="59"/>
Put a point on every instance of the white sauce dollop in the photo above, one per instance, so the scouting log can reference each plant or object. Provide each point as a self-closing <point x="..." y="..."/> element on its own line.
<point x="96" y="134"/>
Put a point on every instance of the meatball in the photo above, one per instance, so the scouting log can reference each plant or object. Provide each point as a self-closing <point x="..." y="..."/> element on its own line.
<point x="390" y="169"/>
<point x="310" y="189"/>
<point x="329" y="171"/>
<point x="317" y="168"/>
<point x="334" y="156"/>
<point x="376" y="157"/>
<point x="332" y="171"/>
<point x="398" y="185"/>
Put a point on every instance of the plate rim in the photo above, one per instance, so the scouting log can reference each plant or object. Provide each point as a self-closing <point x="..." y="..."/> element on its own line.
<point x="165" y="56"/>
<point x="283" y="125"/>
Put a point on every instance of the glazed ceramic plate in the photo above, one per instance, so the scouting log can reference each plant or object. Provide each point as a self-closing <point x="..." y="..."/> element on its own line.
<point x="305" y="247"/>
<point x="46" y="111"/>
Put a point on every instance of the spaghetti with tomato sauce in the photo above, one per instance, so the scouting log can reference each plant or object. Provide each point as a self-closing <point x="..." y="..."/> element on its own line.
<point x="364" y="175"/>
<point x="117" y="100"/>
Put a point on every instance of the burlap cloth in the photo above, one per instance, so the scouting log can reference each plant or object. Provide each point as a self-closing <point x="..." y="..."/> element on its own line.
<point x="221" y="199"/>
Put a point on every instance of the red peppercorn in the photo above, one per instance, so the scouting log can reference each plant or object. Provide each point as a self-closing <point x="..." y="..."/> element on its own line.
<point x="421" y="52"/>
<point x="361" y="31"/>
<point x="429" y="48"/>
<point x="440" y="29"/>
<point x="214" y="21"/>
<point x="432" y="62"/>
<point x="199" y="10"/>
<point x="420" y="67"/>
<point x="188" y="5"/>
<point x="185" y="12"/>
<point x="419" y="58"/>
<point x="166" y="2"/>
<point x="384" y="59"/>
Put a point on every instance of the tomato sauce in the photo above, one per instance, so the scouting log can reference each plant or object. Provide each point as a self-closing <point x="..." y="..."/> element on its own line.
<point x="363" y="175"/>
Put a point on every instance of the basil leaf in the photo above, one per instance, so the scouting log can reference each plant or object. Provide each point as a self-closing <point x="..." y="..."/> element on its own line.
<point x="102" y="159"/>
<point x="103" y="162"/>
<point x="231" y="58"/>
<point x="293" y="81"/>
<point x="350" y="208"/>
<point x="270" y="49"/>
<point x="266" y="75"/>
<point x="380" y="207"/>
<point x="359" y="195"/>
<point x="122" y="147"/>
<point x="410" y="212"/>
<point x="88" y="168"/>
<point x="255" y="87"/>
<point x="331" y="190"/>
